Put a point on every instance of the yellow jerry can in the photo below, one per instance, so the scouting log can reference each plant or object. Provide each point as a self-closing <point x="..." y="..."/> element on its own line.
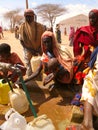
<point x="4" y="90"/>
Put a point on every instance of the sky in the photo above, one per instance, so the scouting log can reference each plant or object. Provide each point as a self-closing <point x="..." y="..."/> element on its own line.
<point x="74" y="7"/>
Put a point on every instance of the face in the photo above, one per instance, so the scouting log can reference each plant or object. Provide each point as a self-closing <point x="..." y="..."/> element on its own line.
<point x="93" y="18"/>
<point x="47" y="42"/>
<point x="29" y="19"/>
<point x="4" y="56"/>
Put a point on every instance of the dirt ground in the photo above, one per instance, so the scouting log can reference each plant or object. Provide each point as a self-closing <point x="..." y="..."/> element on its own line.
<point x="56" y="106"/>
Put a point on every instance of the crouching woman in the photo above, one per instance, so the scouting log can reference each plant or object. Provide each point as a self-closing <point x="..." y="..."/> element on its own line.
<point x="56" y="61"/>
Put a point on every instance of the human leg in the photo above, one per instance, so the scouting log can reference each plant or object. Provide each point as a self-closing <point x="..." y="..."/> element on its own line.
<point x="87" y="123"/>
<point x="27" y="59"/>
<point x="88" y="116"/>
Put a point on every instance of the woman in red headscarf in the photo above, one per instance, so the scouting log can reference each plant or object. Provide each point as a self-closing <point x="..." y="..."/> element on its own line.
<point x="85" y="38"/>
<point x="87" y="35"/>
<point x="56" y="61"/>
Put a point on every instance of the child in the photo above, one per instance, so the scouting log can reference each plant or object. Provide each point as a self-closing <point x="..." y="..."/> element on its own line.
<point x="11" y="58"/>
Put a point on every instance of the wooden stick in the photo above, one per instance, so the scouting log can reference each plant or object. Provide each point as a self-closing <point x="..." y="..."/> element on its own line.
<point x="26" y="4"/>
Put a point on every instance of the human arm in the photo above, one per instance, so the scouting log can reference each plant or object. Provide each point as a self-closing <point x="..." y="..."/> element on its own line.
<point x="48" y="78"/>
<point x="78" y="42"/>
<point x="57" y="71"/>
<point x="17" y="62"/>
<point x="86" y="70"/>
<point x="35" y="74"/>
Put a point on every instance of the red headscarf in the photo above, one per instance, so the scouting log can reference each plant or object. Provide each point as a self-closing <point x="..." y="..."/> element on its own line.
<point x="85" y="35"/>
<point x="94" y="28"/>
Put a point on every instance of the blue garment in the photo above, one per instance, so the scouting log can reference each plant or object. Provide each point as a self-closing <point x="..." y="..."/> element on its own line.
<point x="50" y="55"/>
<point x="93" y="58"/>
<point x="76" y="100"/>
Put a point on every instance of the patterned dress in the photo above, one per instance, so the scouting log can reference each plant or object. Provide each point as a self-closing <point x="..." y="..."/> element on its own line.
<point x="90" y="86"/>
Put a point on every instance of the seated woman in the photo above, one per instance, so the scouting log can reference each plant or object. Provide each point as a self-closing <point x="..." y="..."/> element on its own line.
<point x="56" y="61"/>
<point x="89" y="96"/>
<point x="11" y="58"/>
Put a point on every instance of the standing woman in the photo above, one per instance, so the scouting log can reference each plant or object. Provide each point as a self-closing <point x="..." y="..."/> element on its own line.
<point x="86" y="35"/>
<point x="71" y="35"/>
<point x="30" y="38"/>
<point x="58" y="33"/>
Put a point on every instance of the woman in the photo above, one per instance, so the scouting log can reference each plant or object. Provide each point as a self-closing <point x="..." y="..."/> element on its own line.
<point x="71" y="35"/>
<point x="89" y="96"/>
<point x="56" y="61"/>
<point x="90" y="90"/>
<point x="30" y="38"/>
<point x="86" y="35"/>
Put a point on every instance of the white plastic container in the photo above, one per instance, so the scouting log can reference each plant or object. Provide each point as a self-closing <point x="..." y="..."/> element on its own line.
<point x="41" y="123"/>
<point x="18" y="100"/>
<point x="35" y="62"/>
<point x="14" y="121"/>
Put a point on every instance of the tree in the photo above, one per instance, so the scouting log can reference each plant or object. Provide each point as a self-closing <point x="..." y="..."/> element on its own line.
<point x="49" y="12"/>
<point x="14" y="18"/>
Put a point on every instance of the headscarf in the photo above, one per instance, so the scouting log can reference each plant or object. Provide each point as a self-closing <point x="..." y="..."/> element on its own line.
<point x="94" y="28"/>
<point x="29" y="12"/>
<point x="85" y="35"/>
<point x="62" y="54"/>
<point x="31" y="33"/>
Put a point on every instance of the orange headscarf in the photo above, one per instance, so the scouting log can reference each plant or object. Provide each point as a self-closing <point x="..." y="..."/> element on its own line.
<point x="61" y="53"/>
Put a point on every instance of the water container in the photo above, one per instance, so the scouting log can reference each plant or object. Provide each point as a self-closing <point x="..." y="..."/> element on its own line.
<point x="14" y="121"/>
<point x="41" y="123"/>
<point x="4" y="89"/>
<point x="18" y="100"/>
<point x="35" y="62"/>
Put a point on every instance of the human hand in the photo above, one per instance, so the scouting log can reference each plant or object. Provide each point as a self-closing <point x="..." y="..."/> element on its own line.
<point x="48" y="79"/>
<point x="86" y="70"/>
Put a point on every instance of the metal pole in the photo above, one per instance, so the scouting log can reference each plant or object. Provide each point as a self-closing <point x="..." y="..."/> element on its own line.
<point x="26" y="4"/>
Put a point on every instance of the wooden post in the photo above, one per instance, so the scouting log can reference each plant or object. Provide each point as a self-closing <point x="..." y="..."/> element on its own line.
<point x="26" y="4"/>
